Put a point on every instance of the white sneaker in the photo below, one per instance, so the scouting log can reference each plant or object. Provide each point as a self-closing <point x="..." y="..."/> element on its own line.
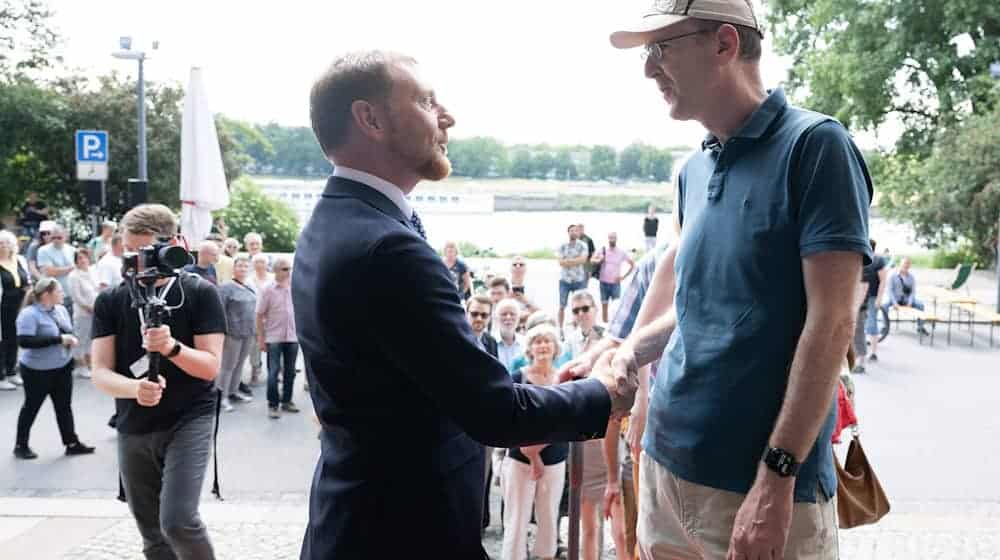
<point x="7" y="385"/>
<point x="240" y="398"/>
<point x="16" y="380"/>
<point x="82" y="372"/>
<point x="226" y="405"/>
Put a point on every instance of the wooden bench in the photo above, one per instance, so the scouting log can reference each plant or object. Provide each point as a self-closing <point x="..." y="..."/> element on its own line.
<point x="910" y="314"/>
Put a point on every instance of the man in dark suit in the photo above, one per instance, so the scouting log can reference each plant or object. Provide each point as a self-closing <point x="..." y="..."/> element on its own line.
<point x="405" y="404"/>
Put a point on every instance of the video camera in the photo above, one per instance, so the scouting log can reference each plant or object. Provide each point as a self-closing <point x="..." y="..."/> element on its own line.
<point x="141" y="270"/>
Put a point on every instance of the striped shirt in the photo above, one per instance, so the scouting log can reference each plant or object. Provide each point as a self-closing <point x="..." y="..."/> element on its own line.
<point x="623" y="322"/>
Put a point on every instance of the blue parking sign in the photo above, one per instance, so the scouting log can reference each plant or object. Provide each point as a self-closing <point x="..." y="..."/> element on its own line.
<point x="92" y="146"/>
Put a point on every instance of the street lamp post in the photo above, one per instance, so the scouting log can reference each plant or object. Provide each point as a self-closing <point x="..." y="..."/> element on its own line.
<point x="127" y="53"/>
<point x="995" y="73"/>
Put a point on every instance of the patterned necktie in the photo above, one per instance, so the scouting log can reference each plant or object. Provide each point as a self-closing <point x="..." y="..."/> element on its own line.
<point x="418" y="225"/>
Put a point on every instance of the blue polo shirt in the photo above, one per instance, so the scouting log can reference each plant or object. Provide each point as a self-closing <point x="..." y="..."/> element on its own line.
<point x="789" y="185"/>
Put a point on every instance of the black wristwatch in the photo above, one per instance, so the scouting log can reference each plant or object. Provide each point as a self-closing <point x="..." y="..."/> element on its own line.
<point x="176" y="350"/>
<point x="781" y="462"/>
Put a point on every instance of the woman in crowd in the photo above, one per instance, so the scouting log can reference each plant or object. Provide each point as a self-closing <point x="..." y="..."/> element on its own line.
<point x="459" y="271"/>
<point x="14" y="283"/>
<point x="600" y="487"/>
<point x="240" y="303"/>
<point x="83" y="290"/>
<point x="257" y="280"/>
<point x="44" y="334"/>
<point x="534" y="475"/>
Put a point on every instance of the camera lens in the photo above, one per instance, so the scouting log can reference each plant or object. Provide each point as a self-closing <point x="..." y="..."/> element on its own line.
<point x="173" y="257"/>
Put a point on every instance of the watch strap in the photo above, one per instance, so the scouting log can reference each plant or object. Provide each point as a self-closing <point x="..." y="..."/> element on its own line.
<point x="176" y="350"/>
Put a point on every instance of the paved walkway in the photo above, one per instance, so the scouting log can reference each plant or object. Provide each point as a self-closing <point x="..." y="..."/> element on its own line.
<point x="930" y="427"/>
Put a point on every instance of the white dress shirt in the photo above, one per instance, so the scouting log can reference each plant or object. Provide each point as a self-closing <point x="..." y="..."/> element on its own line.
<point x="392" y="192"/>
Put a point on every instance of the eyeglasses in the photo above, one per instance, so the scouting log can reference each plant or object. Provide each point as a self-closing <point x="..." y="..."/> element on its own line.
<point x="479" y="315"/>
<point x="655" y="50"/>
<point x="581" y="309"/>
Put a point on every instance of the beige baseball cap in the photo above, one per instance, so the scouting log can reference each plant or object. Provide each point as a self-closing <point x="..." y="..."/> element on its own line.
<point x="664" y="13"/>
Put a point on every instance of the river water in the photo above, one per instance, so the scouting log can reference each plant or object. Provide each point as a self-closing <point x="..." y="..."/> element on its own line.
<point x="517" y="232"/>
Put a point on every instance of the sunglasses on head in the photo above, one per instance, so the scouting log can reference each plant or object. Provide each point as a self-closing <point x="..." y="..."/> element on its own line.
<point x="581" y="309"/>
<point x="479" y="315"/>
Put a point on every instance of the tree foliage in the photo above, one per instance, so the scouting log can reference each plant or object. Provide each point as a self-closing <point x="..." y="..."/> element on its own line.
<point x="37" y="152"/>
<point x="251" y="210"/>
<point x="26" y="38"/>
<point x="925" y="62"/>
<point x="953" y="196"/>
<point x="603" y="162"/>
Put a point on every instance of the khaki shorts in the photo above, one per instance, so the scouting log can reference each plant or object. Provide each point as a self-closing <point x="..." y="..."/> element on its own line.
<point x="680" y="520"/>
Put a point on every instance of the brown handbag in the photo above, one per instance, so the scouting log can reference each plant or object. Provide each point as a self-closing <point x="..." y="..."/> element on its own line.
<point x="860" y="498"/>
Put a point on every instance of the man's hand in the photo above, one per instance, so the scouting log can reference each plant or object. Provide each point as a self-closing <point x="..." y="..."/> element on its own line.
<point x="612" y="496"/>
<point x="148" y="393"/>
<point x="636" y="427"/>
<point x="620" y="377"/>
<point x="69" y="340"/>
<point x="763" y="521"/>
<point x="158" y="339"/>
<point x="577" y="368"/>
<point x="261" y="344"/>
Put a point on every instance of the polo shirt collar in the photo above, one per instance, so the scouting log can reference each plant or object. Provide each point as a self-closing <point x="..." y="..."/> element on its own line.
<point x="759" y="122"/>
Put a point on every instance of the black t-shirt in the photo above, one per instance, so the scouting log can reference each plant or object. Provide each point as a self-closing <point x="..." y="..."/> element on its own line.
<point x="870" y="274"/>
<point x="553" y="454"/>
<point x="30" y="216"/>
<point x="458" y="271"/>
<point x="185" y="396"/>
<point x="650" y="226"/>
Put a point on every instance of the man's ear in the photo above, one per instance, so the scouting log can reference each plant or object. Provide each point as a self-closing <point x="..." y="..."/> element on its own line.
<point x="368" y="118"/>
<point x="729" y="42"/>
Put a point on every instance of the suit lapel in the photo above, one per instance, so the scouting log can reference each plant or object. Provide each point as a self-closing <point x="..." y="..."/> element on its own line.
<point x="339" y="187"/>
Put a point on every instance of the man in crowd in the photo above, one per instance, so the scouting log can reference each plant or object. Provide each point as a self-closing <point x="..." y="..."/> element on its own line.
<point x="42" y="239"/>
<point x="479" y="309"/>
<point x="109" y="267"/>
<point x="903" y="291"/>
<point x="55" y="260"/>
<point x="164" y="427"/>
<point x="759" y="325"/>
<point x="33" y="213"/>
<point x="610" y="260"/>
<point x="276" y="335"/>
<point x="582" y="235"/>
<point x="208" y="255"/>
<point x="572" y="274"/>
<point x="101" y="244"/>
<point x="254" y="244"/>
<point x="873" y="279"/>
<point x="419" y="388"/>
<point x="510" y="345"/>
<point x="650" y="226"/>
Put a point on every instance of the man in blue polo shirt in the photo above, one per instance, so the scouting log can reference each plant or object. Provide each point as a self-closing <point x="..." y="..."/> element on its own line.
<point x="772" y="216"/>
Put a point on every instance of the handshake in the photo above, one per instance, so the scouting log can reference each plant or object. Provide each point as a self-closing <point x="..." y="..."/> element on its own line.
<point x="617" y="369"/>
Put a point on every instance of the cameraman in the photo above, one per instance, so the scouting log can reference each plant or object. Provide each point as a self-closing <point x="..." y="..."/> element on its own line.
<point x="164" y="428"/>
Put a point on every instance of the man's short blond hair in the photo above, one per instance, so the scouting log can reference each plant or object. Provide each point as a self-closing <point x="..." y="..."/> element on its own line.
<point x="146" y="219"/>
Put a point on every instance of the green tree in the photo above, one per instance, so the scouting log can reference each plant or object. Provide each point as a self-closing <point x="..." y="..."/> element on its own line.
<point x="564" y="165"/>
<point x="952" y="197"/>
<point x="252" y="210"/>
<point x="656" y="164"/>
<point x="37" y="154"/>
<point x="26" y="37"/>
<point x="250" y="148"/>
<point x="296" y="151"/>
<point x="522" y="165"/>
<point x="863" y="61"/>
<point x="479" y="156"/>
<point x="603" y="162"/>
<point x="543" y="161"/>
<point x="629" y="165"/>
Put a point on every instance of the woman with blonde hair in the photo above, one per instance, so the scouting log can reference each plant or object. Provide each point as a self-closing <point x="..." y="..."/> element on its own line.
<point x="44" y="332"/>
<point x="14" y="283"/>
<point x="534" y="475"/>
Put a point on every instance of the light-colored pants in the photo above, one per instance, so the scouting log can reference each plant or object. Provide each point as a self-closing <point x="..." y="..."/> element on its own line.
<point x="650" y="243"/>
<point x="520" y="493"/>
<point x="234" y="355"/>
<point x="256" y="363"/>
<point x="680" y="520"/>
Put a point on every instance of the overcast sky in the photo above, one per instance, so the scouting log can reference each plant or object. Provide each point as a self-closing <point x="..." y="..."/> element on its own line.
<point x="523" y="71"/>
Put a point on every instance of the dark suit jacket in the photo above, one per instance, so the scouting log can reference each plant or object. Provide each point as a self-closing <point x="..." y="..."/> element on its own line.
<point x="489" y="343"/>
<point x="403" y="392"/>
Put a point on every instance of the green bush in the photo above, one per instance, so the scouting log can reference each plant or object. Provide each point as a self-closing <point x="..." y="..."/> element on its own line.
<point x="950" y="258"/>
<point x="251" y="210"/>
<point x="467" y="249"/>
<point x="539" y="254"/>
